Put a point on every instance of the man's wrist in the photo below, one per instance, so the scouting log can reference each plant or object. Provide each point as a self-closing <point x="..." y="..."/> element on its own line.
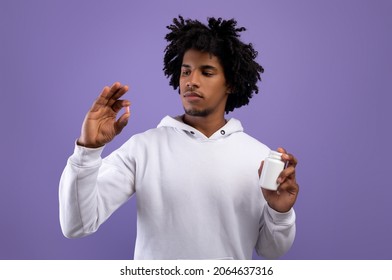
<point x="89" y="146"/>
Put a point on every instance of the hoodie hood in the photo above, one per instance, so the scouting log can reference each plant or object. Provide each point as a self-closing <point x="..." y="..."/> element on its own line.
<point x="232" y="126"/>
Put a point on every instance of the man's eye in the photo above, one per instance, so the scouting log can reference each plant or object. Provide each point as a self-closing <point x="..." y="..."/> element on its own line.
<point x="185" y="72"/>
<point x="208" y="74"/>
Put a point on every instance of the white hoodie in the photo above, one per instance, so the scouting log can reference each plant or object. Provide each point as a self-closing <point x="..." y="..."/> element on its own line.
<point x="197" y="197"/>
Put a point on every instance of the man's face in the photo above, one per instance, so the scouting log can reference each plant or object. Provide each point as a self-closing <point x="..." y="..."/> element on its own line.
<point x="203" y="86"/>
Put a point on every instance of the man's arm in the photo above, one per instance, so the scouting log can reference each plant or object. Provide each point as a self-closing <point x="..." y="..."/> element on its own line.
<point x="276" y="234"/>
<point x="277" y="230"/>
<point x="90" y="189"/>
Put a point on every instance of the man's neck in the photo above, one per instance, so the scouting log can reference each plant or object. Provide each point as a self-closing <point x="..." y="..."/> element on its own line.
<point x="207" y="125"/>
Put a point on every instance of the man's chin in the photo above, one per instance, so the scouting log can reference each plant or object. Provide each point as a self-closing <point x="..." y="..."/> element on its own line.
<point x="196" y="113"/>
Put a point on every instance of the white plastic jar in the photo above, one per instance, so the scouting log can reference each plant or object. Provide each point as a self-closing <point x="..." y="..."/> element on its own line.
<point x="272" y="167"/>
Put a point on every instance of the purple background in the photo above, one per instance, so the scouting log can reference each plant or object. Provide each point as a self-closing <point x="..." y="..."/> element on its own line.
<point x="325" y="96"/>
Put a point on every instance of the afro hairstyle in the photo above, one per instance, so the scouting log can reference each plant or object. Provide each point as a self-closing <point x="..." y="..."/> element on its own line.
<point x="221" y="39"/>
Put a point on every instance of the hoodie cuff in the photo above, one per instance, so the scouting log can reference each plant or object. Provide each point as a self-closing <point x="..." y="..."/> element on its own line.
<point x="282" y="218"/>
<point x="86" y="157"/>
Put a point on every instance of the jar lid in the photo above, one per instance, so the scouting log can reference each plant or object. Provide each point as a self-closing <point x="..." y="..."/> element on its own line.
<point x="275" y="154"/>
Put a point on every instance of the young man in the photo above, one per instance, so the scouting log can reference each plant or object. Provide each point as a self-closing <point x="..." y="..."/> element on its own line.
<point x="195" y="176"/>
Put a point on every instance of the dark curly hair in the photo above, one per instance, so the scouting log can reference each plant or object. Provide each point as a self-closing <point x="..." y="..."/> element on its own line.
<point x="219" y="38"/>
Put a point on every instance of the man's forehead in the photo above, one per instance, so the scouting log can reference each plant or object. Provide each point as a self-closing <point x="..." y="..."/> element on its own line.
<point x="205" y="59"/>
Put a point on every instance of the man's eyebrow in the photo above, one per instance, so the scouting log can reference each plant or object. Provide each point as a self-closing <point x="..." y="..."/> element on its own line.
<point x="208" y="67"/>
<point x="204" y="67"/>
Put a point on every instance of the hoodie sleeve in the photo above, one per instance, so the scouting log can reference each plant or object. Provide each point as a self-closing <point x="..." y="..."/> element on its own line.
<point x="92" y="188"/>
<point x="276" y="234"/>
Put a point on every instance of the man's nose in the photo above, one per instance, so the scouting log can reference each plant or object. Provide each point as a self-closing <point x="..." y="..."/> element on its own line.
<point x="194" y="80"/>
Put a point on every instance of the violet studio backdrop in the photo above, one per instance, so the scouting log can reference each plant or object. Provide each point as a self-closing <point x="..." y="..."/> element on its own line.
<point x="325" y="96"/>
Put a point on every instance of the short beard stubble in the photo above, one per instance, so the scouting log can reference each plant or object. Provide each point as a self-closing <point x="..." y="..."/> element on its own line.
<point x="197" y="113"/>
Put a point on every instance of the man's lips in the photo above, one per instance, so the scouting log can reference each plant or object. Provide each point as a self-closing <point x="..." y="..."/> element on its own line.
<point x="192" y="95"/>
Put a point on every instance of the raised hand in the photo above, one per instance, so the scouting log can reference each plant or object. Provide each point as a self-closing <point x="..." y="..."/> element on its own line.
<point x="284" y="198"/>
<point x="101" y="125"/>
